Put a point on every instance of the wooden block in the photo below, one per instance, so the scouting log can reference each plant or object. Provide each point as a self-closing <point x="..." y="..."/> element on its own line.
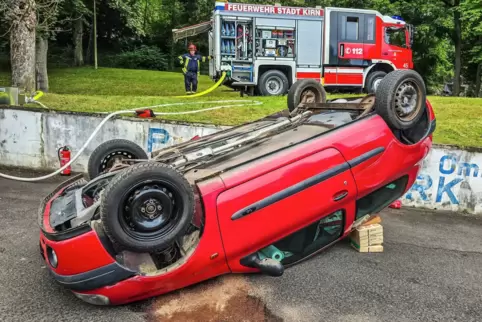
<point x="367" y="249"/>
<point x="373" y="220"/>
<point x="366" y="231"/>
<point x="368" y="239"/>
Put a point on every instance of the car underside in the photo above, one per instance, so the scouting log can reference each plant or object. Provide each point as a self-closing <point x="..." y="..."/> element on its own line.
<point x="257" y="197"/>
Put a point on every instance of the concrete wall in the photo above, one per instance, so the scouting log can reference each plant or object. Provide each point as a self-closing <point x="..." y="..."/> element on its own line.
<point x="451" y="178"/>
<point x="32" y="138"/>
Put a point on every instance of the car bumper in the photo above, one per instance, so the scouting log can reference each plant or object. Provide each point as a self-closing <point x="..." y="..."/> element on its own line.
<point x="94" y="279"/>
<point x="77" y="258"/>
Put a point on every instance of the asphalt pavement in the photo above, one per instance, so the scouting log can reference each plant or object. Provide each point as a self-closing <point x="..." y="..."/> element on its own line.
<point x="430" y="270"/>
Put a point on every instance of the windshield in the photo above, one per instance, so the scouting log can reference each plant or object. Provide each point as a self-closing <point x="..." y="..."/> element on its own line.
<point x="396" y="37"/>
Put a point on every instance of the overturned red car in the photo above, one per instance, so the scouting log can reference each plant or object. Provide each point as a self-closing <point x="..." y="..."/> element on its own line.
<point x="259" y="197"/>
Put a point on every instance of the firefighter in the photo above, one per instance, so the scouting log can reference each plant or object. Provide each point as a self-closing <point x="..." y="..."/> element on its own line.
<point x="191" y="68"/>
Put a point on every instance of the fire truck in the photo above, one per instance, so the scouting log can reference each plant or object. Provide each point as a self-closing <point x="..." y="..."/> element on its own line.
<point x="264" y="49"/>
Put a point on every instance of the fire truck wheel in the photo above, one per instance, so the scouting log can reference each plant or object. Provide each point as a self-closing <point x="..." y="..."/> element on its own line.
<point x="305" y="91"/>
<point x="147" y="207"/>
<point x="110" y="152"/>
<point x="373" y="80"/>
<point x="273" y="83"/>
<point x="400" y="99"/>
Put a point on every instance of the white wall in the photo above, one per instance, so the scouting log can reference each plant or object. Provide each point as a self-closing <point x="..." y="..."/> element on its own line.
<point x="451" y="179"/>
<point x="32" y="139"/>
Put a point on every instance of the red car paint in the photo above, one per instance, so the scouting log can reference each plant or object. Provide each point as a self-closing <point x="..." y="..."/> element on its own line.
<point x="71" y="250"/>
<point x="224" y="240"/>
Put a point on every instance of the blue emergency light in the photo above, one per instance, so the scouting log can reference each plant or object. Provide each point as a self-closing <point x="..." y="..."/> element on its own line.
<point x="398" y="18"/>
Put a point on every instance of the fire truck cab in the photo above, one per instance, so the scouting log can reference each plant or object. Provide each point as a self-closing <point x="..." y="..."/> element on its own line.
<point x="266" y="48"/>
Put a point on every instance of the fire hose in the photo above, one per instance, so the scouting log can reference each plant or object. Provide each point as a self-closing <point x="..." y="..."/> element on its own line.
<point x="146" y="111"/>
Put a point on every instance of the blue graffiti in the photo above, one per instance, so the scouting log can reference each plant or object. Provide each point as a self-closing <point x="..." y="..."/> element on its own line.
<point x="467" y="167"/>
<point x="421" y="188"/>
<point x="464" y="168"/>
<point x="156" y="135"/>
<point x="453" y="164"/>
<point x="449" y="164"/>
<point x="447" y="188"/>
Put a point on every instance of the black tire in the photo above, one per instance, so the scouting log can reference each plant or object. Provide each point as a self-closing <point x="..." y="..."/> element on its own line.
<point x="147" y="194"/>
<point x="305" y="91"/>
<point x="392" y="93"/>
<point x="372" y="79"/>
<point x="272" y="77"/>
<point x="102" y="157"/>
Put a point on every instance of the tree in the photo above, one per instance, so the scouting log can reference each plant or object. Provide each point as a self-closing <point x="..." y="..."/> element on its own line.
<point x="472" y="16"/>
<point x="453" y="6"/>
<point x="77" y="11"/>
<point x="21" y="19"/>
<point x="47" y="12"/>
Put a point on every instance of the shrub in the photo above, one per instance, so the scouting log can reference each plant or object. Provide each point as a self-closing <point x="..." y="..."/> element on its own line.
<point x="143" y="57"/>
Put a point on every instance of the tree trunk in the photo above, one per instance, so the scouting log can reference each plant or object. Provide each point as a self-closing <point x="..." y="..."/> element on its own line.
<point x="478" y="77"/>
<point x="78" y="49"/>
<point x="22" y="44"/>
<point x="41" y="65"/>
<point x="458" y="47"/>
<point x="90" y="44"/>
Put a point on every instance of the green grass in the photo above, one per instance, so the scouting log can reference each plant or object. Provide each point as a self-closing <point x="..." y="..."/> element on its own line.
<point x="459" y="120"/>
<point x="106" y="89"/>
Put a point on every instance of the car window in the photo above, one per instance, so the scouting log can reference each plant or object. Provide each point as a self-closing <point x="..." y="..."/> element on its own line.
<point x="381" y="198"/>
<point x="308" y="240"/>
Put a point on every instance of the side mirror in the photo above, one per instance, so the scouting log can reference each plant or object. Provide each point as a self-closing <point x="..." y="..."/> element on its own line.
<point x="267" y="266"/>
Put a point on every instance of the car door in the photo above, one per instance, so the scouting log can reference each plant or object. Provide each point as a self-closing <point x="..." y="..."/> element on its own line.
<point x="281" y="203"/>
<point x="395" y="47"/>
<point x="347" y="44"/>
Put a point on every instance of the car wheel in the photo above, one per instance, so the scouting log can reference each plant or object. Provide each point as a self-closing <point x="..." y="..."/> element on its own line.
<point x="400" y="99"/>
<point x="273" y="83"/>
<point x="147" y="207"/>
<point x="110" y="152"/>
<point x="373" y="80"/>
<point x="305" y="91"/>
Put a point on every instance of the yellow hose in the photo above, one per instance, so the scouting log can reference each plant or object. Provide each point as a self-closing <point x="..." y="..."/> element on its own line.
<point x="209" y="90"/>
<point x="38" y="95"/>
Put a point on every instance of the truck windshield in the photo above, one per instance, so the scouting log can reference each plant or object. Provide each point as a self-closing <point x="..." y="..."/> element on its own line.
<point x="396" y="37"/>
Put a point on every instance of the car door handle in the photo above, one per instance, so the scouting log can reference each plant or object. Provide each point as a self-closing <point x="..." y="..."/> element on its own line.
<point x="340" y="195"/>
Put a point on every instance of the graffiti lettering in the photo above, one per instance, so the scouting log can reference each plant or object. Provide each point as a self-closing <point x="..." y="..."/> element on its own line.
<point x="449" y="163"/>
<point x="452" y="164"/>
<point x="447" y="188"/>
<point x="467" y="167"/>
<point x="444" y="184"/>
<point x="421" y="187"/>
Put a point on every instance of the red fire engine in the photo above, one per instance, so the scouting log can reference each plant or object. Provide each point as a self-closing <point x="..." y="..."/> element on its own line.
<point x="266" y="48"/>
